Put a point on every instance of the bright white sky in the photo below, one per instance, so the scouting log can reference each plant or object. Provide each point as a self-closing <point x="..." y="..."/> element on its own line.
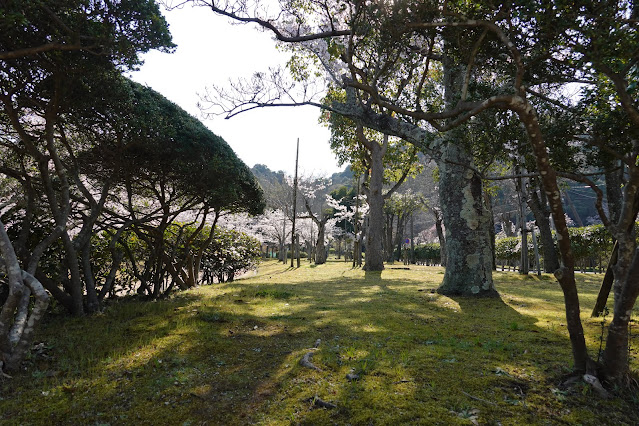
<point x="211" y="50"/>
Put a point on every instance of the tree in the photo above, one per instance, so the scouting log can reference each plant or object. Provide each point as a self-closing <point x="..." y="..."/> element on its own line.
<point x="229" y="254"/>
<point x="314" y="196"/>
<point x="380" y="160"/>
<point x="48" y="53"/>
<point x="374" y="92"/>
<point x="171" y="165"/>
<point x="402" y="206"/>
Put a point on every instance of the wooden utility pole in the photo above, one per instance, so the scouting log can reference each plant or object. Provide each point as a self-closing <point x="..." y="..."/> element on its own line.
<point x="523" y="269"/>
<point x="297" y="155"/>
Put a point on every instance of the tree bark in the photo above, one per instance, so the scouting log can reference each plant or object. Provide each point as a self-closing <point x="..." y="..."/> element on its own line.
<point x="16" y="339"/>
<point x="468" y="247"/>
<point x="374" y="260"/>
<point x="469" y="257"/>
<point x="23" y="345"/>
<point x="388" y="242"/>
<point x="615" y="356"/>
<point x="93" y="304"/>
<point x="626" y="283"/>
<point x="320" y="247"/>
<point x="614" y="194"/>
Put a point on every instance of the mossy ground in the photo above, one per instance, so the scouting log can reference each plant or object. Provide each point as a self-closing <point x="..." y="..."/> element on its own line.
<point x="229" y="354"/>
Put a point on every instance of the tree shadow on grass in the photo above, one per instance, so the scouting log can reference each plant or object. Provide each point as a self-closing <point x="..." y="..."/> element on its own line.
<point x="231" y="356"/>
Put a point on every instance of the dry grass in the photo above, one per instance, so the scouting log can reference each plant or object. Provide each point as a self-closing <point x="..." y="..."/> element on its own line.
<point x="229" y="354"/>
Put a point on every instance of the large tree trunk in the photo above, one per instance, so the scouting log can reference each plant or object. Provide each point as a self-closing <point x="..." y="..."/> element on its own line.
<point x="469" y="257"/>
<point x="374" y="260"/>
<point x="468" y="247"/>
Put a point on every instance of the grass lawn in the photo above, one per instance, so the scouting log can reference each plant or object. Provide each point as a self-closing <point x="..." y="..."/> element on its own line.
<point x="229" y="354"/>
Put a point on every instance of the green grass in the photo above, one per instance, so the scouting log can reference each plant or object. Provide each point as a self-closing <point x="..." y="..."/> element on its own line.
<point x="229" y="354"/>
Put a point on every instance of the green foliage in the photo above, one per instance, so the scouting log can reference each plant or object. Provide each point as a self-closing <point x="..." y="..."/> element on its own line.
<point x="590" y="241"/>
<point x="587" y="242"/>
<point x="508" y="248"/>
<point x="165" y="143"/>
<point x="348" y="148"/>
<point x="116" y="30"/>
<point x="428" y="253"/>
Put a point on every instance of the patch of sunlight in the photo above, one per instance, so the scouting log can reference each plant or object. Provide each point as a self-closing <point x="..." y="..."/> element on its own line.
<point x="144" y="354"/>
<point x="359" y="300"/>
<point x="448" y="303"/>
<point x="365" y="328"/>
<point x="200" y="391"/>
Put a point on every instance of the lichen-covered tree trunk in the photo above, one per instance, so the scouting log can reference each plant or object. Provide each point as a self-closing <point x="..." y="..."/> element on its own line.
<point x="469" y="257"/>
<point x="468" y="246"/>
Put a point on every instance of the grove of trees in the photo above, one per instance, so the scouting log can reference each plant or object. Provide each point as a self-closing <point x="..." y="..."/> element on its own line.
<point x="104" y="182"/>
<point x="440" y="76"/>
<point x="108" y="186"/>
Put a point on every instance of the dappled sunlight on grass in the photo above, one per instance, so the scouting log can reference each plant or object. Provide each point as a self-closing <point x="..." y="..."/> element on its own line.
<point x="229" y="354"/>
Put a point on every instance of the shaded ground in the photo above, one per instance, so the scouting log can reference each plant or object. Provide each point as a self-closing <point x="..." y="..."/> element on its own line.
<point x="229" y="354"/>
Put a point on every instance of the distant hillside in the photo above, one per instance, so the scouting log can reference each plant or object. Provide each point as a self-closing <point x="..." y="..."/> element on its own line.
<point x="344" y="178"/>
<point x="273" y="182"/>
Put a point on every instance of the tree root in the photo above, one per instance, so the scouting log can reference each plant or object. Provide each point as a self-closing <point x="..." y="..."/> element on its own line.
<point x="594" y="382"/>
<point x="306" y="362"/>
<point x="318" y="402"/>
<point x="306" y="359"/>
<point x="2" y="373"/>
